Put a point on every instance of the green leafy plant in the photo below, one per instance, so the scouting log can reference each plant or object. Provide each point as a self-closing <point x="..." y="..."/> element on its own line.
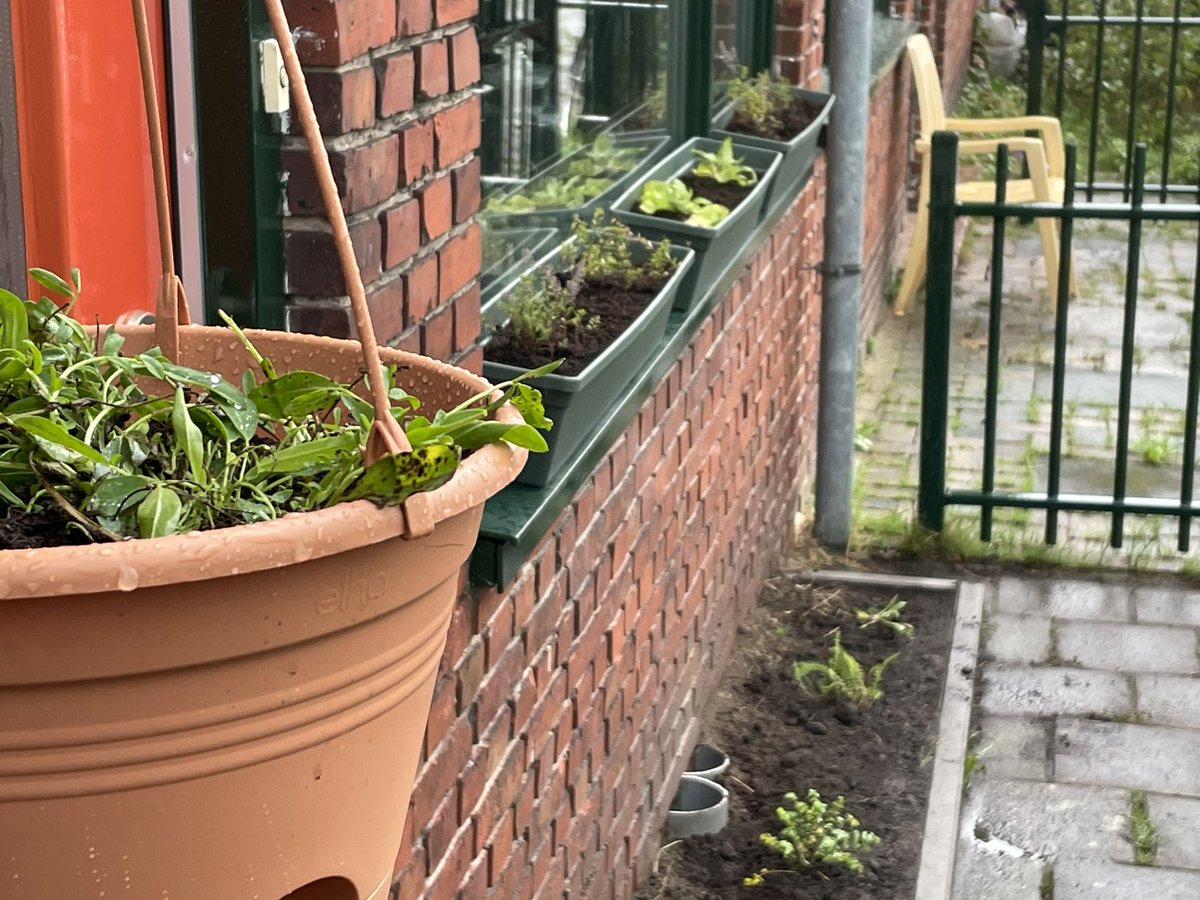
<point x="602" y="250"/>
<point x="842" y="675"/>
<point x="1142" y="833"/>
<point x="552" y="193"/>
<point x="815" y="833"/>
<point x="542" y="309"/>
<point x="604" y="158"/>
<point x="100" y="446"/>
<point x="723" y="167"/>
<point x="760" y="99"/>
<point x="887" y="615"/>
<point x="675" y="197"/>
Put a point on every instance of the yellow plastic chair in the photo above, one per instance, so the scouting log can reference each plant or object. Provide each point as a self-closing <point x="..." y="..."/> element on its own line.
<point x="1044" y="156"/>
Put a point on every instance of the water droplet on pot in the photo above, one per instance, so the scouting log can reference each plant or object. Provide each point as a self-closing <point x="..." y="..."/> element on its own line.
<point x="127" y="578"/>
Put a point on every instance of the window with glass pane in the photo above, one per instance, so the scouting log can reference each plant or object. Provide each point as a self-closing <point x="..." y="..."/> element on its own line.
<point x="559" y="73"/>
<point x="725" y="52"/>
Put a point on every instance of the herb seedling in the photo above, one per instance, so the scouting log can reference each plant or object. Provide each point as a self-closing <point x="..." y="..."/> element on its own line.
<point x="601" y="250"/>
<point x="675" y="197"/>
<point x="723" y="167"/>
<point x="888" y="616"/>
<point x="118" y="446"/>
<point x="542" y="309"/>
<point x="843" y="675"/>
<point x="760" y="99"/>
<point x="815" y="833"/>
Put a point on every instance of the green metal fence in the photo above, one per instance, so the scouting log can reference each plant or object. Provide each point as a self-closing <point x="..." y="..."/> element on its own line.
<point x="1118" y="73"/>
<point x="933" y="494"/>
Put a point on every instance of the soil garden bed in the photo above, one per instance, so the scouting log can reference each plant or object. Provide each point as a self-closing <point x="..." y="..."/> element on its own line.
<point x="616" y="305"/>
<point x="793" y="120"/>
<point x="781" y="739"/>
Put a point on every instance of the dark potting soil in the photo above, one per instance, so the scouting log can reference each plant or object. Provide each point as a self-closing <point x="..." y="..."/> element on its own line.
<point x="793" y="120"/>
<point x="20" y="530"/>
<point x="616" y="305"/>
<point x="780" y="739"/>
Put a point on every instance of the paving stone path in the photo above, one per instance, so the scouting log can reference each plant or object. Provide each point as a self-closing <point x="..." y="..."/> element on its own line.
<point x="890" y="394"/>
<point x="1089" y="703"/>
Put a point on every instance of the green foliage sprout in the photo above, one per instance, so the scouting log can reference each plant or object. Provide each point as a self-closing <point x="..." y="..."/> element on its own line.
<point x="723" y="167"/>
<point x="815" y="833"/>
<point x="760" y="99"/>
<point x="602" y="250"/>
<point x="675" y="197"/>
<point x="887" y="615"/>
<point x="542" y="309"/>
<point x="104" y="446"/>
<point x="843" y="675"/>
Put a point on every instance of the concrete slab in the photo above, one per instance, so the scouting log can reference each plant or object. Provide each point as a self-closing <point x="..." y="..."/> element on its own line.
<point x="1064" y="599"/>
<point x="1051" y="820"/>
<point x="1017" y="639"/>
<point x="1168" y="700"/>
<point x="1149" y="757"/>
<point x="982" y="872"/>
<point x="1128" y="648"/>
<point x="1015" y="748"/>
<point x="1170" y="605"/>
<point x="1020" y="691"/>
<point x="1096" y="880"/>
<point x="1178" y="822"/>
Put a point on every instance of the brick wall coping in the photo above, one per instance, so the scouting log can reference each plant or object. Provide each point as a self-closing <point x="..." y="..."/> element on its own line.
<point x="516" y="519"/>
<point x="888" y="37"/>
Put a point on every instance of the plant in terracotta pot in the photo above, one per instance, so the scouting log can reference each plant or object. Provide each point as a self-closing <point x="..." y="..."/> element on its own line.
<point x="772" y="114"/>
<point x="231" y="704"/>
<point x="600" y="303"/>
<point x="707" y="195"/>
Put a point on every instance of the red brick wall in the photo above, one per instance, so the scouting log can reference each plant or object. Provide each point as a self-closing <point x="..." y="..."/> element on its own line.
<point x="390" y="82"/>
<point x="950" y="25"/>
<point x="799" y="28"/>
<point x="566" y="702"/>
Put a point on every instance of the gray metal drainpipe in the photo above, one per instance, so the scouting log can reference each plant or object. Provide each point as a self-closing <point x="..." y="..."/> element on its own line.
<point x="849" y="57"/>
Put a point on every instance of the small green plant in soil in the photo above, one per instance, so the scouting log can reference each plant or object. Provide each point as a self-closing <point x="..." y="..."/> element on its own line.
<point x="587" y="177"/>
<point x="550" y="314"/>
<point x="601" y="251"/>
<point x="887" y="615"/>
<point x="1142" y="832"/>
<point x="99" y="446"/>
<point x="760" y="100"/>
<point x="676" y="198"/>
<point x="603" y="158"/>
<point x="842" y="676"/>
<point x="723" y="167"/>
<point x="814" y="833"/>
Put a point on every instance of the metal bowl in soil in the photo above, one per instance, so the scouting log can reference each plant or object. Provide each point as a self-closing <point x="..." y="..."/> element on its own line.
<point x="715" y="247"/>
<point x="649" y="147"/>
<point x="782" y="739"/>
<point x="590" y="382"/>
<point x="796" y="140"/>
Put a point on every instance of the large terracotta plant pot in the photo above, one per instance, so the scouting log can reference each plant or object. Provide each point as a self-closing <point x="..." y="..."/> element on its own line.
<point x="234" y="713"/>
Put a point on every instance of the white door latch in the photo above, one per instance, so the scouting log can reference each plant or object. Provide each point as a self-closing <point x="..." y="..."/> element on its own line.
<point x="276" y="98"/>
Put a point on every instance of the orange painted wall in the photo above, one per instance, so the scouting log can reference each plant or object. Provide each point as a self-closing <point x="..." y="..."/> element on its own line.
<point x="85" y="157"/>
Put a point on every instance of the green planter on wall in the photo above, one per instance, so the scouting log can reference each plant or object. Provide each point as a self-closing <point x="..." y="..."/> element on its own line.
<point x="650" y="146"/>
<point x="798" y="153"/>
<point x="576" y="403"/>
<point x="715" y="247"/>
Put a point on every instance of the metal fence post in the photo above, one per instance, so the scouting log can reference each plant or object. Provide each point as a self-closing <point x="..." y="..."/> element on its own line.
<point x="1035" y="15"/>
<point x="939" y="288"/>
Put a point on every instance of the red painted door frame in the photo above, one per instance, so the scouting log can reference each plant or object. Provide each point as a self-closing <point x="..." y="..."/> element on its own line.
<point x="87" y="192"/>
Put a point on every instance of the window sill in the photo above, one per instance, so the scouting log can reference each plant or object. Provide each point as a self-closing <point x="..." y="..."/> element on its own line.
<point x="516" y="519"/>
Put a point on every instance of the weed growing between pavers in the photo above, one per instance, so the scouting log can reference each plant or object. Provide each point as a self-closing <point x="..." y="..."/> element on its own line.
<point x="1142" y="832"/>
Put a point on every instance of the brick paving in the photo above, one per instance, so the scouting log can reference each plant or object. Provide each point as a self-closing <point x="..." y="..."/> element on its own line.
<point x="1088" y="699"/>
<point x="890" y="395"/>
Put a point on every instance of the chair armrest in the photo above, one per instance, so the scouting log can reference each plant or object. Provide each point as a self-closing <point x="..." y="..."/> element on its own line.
<point x="1033" y="148"/>
<point x="1049" y="127"/>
